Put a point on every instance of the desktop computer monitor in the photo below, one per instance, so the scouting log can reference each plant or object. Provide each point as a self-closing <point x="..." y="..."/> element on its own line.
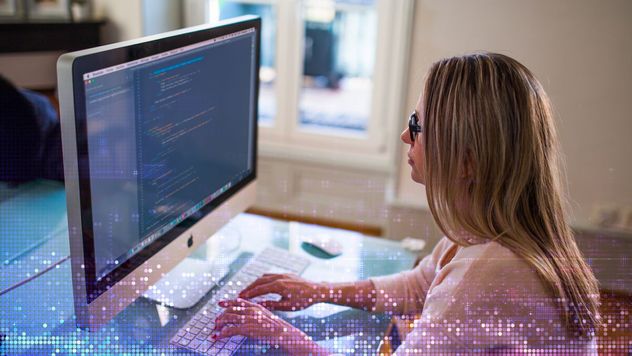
<point x="159" y="141"/>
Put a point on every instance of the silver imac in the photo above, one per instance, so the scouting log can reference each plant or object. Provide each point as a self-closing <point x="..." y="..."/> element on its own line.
<point x="159" y="141"/>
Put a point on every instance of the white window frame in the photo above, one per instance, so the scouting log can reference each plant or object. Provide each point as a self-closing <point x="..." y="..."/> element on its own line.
<point x="378" y="148"/>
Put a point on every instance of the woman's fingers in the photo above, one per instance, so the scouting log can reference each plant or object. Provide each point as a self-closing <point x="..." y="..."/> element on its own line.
<point x="272" y="287"/>
<point x="265" y="279"/>
<point x="273" y="275"/>
<point x="281" y="305"/>
<point x="239" y="302"/>
<point x="244" y="318"/>
<point x="232" y="331"/>
<point x="238" y="312"/>
<point x="229" y="318"/>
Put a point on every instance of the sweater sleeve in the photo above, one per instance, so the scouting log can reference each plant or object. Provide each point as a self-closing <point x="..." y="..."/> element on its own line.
<point x="488" y="300"/>
<point x="405" y="292"/>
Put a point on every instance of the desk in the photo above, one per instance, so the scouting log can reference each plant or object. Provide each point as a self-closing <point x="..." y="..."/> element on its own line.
<point x="38" y="317"/>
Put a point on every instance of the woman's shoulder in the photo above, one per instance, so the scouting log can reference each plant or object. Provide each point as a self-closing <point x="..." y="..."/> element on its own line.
<point x="488" y="284"/>
<point x="495" y="270"/>
<point x="492" y="256"/>
<point x="488" y="265"/>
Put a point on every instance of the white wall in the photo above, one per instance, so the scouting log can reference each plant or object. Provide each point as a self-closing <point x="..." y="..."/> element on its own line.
<point x="33" y="70"/>
<point x="129" y="19"/>
<point x="581" y="50"/>
<point x="161" y="16"/>
<point x="125" y="20"/>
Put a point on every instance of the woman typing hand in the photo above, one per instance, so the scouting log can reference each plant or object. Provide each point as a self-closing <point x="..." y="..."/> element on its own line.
<point x="255" y="320"/>
<point x="297" y="293"/>
<point x="246" y="318"/>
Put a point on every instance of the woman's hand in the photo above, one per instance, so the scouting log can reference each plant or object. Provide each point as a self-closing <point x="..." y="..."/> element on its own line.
<point x="245" y="318"/>
<point x="296" y="293"/>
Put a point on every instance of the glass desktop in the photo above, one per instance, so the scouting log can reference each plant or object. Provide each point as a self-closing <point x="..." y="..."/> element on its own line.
<point x="39" y="318"/>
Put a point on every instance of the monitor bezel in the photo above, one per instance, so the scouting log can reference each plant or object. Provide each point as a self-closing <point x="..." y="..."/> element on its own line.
<point x="111" y="56"/>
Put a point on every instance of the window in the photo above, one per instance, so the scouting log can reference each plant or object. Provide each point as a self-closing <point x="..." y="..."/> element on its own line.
<point x="332" y="77"/>
<point x="226" y="9"/>
<point x="338" y="62"/>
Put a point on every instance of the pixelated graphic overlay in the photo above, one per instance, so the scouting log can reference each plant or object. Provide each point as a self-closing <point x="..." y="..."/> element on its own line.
<point x="37" y="318"/>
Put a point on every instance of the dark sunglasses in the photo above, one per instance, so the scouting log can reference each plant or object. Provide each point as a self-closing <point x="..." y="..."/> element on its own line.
<point x="414" y="126"/>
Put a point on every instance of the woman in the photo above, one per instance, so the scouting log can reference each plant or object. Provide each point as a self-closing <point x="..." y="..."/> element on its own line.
<point x="508" y="274"/>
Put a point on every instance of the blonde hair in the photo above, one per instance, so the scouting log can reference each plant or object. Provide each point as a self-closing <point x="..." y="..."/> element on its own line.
<point x="492" y="171"/>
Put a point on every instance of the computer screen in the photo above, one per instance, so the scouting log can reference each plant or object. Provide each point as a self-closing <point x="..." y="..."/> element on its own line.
<point x="167" y="134"/>
<point x="163" y="132"/>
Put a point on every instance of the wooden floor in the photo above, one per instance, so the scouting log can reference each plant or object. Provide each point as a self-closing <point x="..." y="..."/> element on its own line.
<point x="615" y="338"/>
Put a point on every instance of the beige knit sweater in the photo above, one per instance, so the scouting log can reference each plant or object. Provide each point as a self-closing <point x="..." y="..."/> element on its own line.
<point x="481" y="298"/>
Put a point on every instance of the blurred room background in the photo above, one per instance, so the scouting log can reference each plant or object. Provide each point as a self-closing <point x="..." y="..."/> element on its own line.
<point x="339" y="78"/>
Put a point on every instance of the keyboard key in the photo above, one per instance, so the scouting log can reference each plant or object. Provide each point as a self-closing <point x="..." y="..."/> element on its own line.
<point x="204" y="346"/>
<point x="213" y="350"/>
<point x="194" y="344"/>
<point x="206" y="331"/>
<point x="195" y="335"/>
<point x="208" y="312"/>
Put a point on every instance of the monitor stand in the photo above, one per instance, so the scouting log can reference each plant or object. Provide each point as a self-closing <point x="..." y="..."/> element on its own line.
<point x="187" y="283"/>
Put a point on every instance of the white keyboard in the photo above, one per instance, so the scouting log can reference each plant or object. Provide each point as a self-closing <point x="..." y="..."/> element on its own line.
<point x="195" y="335"/>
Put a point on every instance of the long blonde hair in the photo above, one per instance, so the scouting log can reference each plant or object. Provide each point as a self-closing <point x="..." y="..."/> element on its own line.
<point x="491" y="146"/>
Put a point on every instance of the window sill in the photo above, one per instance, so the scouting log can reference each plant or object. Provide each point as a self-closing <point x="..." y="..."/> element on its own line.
<point x="376" y="162"/>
